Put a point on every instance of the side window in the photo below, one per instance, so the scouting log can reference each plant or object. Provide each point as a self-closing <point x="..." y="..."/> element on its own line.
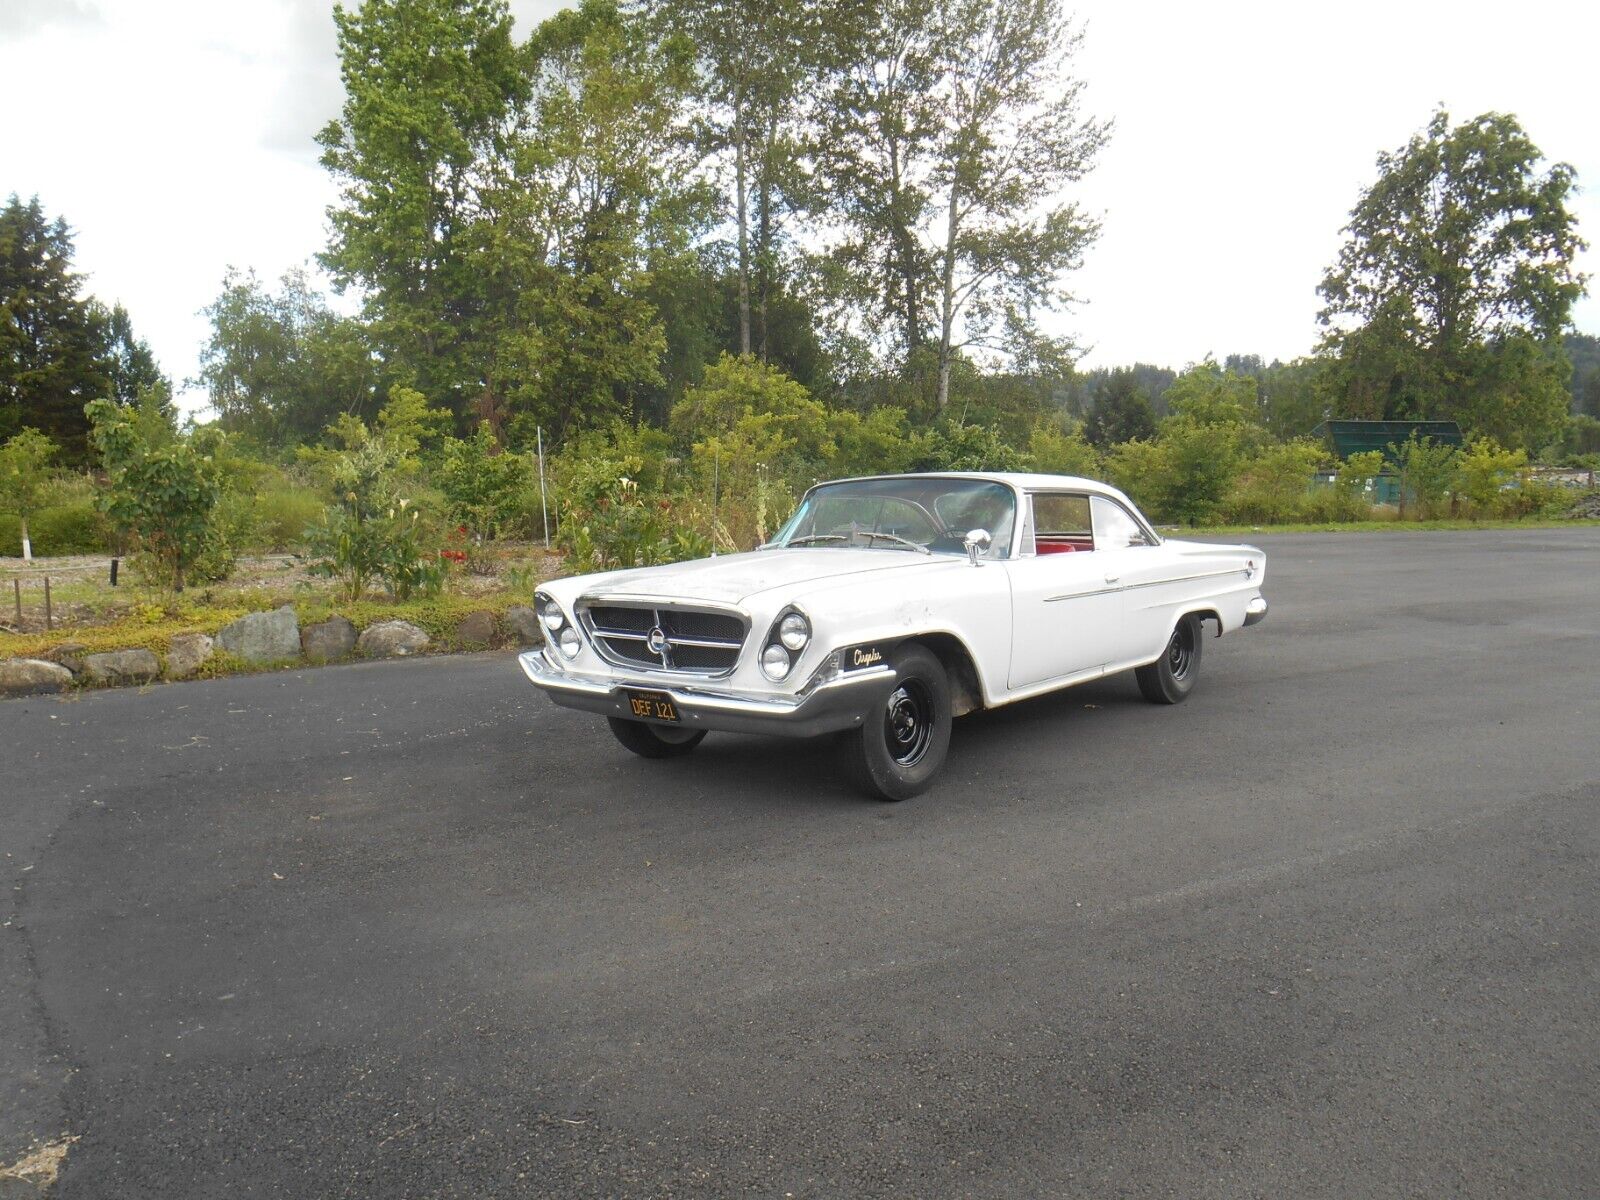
<point x="1113" y="527"/>
<point x="1061" y="514"/>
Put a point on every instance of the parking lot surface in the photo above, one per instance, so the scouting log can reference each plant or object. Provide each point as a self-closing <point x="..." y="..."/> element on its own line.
<point x="1330" y="928"/>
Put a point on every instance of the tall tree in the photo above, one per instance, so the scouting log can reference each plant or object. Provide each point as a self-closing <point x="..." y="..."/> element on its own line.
<point x="957" y="129"/>
<point x="1121" y="412"/>
<point x="433" y="89"/>
<point x="129" y="362"/>
<point x="52" y="342"/>
<point x="282" y="366"/>
<point x="756" y="61"/>
<point x="1461" y="253"/>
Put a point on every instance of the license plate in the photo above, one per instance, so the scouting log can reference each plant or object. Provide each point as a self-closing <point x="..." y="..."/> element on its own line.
<point x="652" y="706"/>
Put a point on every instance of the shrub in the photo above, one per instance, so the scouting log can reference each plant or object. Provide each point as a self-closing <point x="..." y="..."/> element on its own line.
<point x="283" y="514"/>
<point x="73" y="528"/>
<point x="1274" y="486"/>
<point x="1483" y="471"/>
<point x="370" y="534"/>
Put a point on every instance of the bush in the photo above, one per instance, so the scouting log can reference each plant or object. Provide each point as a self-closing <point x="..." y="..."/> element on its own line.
<point x="283" y="514"/>
<point x="1275" y="486"/>
<point x="73" y="528"/>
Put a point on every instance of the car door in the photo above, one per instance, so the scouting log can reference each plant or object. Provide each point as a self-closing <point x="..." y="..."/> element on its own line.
<point x="1064" y="617"/>
<point x="1137" y="571"/>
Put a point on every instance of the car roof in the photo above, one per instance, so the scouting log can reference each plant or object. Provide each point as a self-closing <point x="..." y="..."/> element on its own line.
<point x="1021" y="480"/>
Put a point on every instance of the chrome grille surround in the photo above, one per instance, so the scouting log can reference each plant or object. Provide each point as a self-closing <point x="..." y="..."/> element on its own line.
<point x="672" y="638"/>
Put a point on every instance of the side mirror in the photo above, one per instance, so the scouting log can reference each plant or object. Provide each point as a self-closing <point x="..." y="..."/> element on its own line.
<point x="976" y="542"/>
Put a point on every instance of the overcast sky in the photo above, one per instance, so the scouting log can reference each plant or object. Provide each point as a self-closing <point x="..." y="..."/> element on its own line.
<point x="176" y="138"/>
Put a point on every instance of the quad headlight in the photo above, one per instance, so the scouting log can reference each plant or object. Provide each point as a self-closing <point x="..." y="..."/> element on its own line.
<point x="790" y="634"/>
<point x="558" y="628"/>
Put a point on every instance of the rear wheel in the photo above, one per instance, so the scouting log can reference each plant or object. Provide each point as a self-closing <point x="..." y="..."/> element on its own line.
<point x="899" y="748"/>
<point x="1171" y="677"/>
<point x="655" y="741"/>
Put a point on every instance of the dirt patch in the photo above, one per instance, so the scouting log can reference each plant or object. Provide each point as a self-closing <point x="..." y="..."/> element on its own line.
<point x="35" y="1173"/>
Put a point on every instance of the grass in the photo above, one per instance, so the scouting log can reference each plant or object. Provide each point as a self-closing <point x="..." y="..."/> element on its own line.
<point x="1385" y="526"/>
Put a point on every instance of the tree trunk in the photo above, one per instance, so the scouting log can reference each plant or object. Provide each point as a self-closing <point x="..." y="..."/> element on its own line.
<point x="763" y="255"/>
<point x="27" y="546"/>
<point x="742" y="202"/>
<point x="947" y="300"/>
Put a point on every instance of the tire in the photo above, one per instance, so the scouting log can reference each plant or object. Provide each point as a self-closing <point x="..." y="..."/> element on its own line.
<point x="655" y="741"/>
<point x="1171" y="678"/>
<point x="899" y="749"/>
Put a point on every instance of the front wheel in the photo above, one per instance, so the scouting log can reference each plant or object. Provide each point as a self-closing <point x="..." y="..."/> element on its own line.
<point x="655" y="741"/>
<point x="1171" y="677"/>
<point x="899" y="748"/>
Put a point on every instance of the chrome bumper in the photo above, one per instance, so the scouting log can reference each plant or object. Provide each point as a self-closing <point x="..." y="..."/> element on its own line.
<point x="1255" y="612"/>
<point x="840" y="703"/>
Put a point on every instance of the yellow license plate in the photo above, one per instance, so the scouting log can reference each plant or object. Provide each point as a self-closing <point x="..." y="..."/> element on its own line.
<point x="652" y="706"/>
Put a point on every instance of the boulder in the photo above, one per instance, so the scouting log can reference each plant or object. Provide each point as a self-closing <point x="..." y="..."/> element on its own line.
<point x="326" y="640"/>
<point x="69" y="655"/>
<point x="263" y="636"/>
<point x="476" y="628"/>
<point x="32" y="677"/>
<point x="186" y="653"/>
<point x="391" y="639"/>
<point x="122" y="666"/>
<point x="525" y="626"/>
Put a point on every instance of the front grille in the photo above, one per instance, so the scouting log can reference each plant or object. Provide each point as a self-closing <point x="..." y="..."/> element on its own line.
<point x="693" y="641"/>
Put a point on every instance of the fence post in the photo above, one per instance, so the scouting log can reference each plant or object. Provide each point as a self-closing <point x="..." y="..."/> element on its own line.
<point x="49" y="619"/>
<point x="544" y="506"/>
<point x="16" y="587"/>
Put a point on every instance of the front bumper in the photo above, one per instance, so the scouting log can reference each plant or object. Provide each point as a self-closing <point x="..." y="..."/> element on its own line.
<point x="840" y="703"/>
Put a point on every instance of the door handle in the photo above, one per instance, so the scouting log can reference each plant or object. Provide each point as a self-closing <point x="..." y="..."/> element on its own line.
<point x="1112" y="578"/>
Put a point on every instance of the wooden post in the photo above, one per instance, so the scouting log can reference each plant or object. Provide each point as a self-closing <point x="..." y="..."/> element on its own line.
<point x="49" y="618"/>
<point x="16" y="587"/>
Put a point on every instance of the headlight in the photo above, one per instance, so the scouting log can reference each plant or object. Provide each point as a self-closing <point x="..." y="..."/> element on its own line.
<point x="567" y="639"/>
<point x="794" y="631"/>
<point x="550" y="613"/>
<point x="775" y="662"/>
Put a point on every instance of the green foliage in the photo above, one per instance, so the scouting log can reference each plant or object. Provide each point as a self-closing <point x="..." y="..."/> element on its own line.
<point x="1121" y="412"/>
<point x="281" y="367"/>
<point x="1275" y="484"/>
<point x="72" y="527"/>
<point x="161" y="486"/>
<point x="1143" y="469"/>
<point x="24" y="474"/>
<point x="952" y="447"/>
<point x="1062" y="453"/>
<point x="1456" y="281"/>
<point x="1427" y="470"/>
<point x="370" y="533"/>
<point x="482" y="482"/>
<point x="1484" y="470"/>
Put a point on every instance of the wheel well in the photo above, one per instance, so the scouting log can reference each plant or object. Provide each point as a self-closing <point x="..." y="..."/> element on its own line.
<point x="966" y="694"/>
<point x="1208" y="614"/>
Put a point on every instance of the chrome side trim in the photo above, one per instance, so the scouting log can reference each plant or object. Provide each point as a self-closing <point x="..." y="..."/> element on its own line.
<point x="1133" y="587"/>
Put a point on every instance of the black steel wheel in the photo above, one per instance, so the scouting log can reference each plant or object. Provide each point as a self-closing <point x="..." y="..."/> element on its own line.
<point x="901" y="747"/>
<point x="1171" y="677"/>
<point x="655" y="741"/>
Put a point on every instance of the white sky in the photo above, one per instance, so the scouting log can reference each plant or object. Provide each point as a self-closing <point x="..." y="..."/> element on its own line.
<point x="176" y="138"/>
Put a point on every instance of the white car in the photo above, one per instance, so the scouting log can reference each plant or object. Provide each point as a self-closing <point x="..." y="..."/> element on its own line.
<point x="888" y="606"/>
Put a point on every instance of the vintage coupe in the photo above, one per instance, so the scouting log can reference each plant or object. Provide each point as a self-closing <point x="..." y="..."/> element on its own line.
<point x="886" y="607"/>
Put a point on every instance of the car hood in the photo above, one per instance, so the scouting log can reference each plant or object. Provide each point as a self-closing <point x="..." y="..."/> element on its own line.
<point x="732" y="578"/>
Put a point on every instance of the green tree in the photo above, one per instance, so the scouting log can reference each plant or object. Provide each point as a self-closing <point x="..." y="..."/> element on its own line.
<point x="24" y="473"/>
<point x="433" y="91"/>
<point x="130" y="364"/>
<point x="955" y="131"/>
<point x="282" y="366"/>
<point x="52" y="339"/>
<point x="1484" y="469"/>
<point x="161" y="486"/>
<point x="1459" y="255"/>
<point x="1121" y="412"/>
<point x="482" y="483"/>
<point x="1427" y="469"/>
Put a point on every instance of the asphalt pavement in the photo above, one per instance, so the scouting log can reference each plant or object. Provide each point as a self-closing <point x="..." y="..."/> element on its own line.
<point x="1330" y="928"/>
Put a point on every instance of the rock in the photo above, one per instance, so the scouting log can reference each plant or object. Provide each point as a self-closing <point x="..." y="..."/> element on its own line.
<point x="69" y="655"/>
<point x="524" y="624"/>
<point x="391" y="639"/>
<point x="122" y="666"/>
<point x="476" y="628"/>
<point x="263" y="637"/>
<point x="186" y="653"/>
<point x="330" y="639"/>
<point x="32" y="677"/>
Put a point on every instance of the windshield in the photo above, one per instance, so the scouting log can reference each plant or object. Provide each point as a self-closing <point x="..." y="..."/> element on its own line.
<point x="916" y="513"/>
